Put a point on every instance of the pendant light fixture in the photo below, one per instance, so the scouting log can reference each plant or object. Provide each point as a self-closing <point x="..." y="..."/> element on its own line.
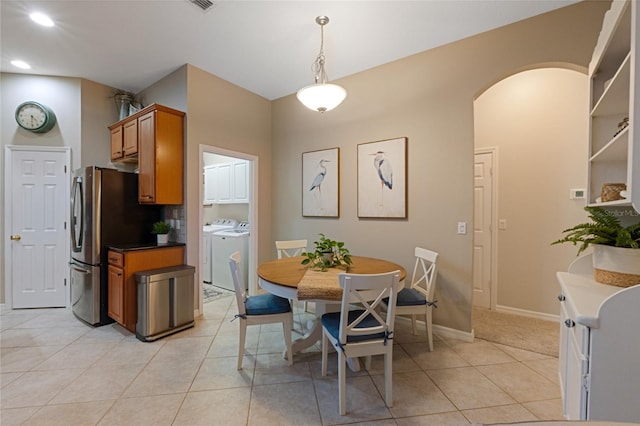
<point x="321" y="96"/>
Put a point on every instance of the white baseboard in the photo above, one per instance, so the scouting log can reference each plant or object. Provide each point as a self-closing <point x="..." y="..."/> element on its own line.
<point x="526" y="313"/>
<point x="452" y="333"/>
<point x="443" y="331"/>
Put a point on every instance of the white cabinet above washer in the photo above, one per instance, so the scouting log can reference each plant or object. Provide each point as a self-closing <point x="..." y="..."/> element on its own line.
<point x="227" y="183"/>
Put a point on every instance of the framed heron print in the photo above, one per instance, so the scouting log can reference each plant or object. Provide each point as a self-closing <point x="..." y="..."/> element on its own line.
<point x="382" y="179"/>
<point x="321" y="183"/>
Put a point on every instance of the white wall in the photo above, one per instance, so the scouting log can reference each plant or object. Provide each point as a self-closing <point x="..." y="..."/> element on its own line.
<point x="538" y="121"/>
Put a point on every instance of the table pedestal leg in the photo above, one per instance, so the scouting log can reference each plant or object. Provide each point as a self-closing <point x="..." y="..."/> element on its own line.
<point x="315" y="334"/>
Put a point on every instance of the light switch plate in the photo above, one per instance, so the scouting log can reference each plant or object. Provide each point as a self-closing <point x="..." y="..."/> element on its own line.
<point x="462" y="228"/>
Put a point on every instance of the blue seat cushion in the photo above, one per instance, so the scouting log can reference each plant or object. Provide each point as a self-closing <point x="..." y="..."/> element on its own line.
<point x="331" y="322"/>
<point x="266" y="304"/>
<point x="408" y="297"/>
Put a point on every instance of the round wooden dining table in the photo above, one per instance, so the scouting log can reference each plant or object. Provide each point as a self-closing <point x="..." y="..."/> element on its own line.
<point x="282" y="276"/>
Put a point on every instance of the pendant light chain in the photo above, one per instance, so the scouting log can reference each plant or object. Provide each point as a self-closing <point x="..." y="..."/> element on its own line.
<point x="318" y="65"/>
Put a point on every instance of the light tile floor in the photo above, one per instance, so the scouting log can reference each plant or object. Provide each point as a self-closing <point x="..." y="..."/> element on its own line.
<point x="57" y="371"/>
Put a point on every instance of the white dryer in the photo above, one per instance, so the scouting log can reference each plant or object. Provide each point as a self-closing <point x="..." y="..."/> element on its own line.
<point x="225" y="243"/>
<point x="207" y="246"/>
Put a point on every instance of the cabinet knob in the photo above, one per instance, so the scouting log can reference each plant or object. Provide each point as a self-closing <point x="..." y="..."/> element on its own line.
<point x="569" y="323"/>
<point x="561" y="297"/>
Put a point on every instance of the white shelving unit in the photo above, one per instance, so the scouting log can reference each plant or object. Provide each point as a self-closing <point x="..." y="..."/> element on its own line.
<point x="614" y="156"/>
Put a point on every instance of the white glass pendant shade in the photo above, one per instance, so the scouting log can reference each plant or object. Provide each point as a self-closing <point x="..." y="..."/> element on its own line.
<point x="322" y="96"/>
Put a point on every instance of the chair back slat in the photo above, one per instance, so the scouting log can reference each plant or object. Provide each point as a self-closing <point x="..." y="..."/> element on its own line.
<point x="424" y="272"/>
<point x="368" y="292"/>
<point x="238" y="281"/>
<point x="290" y="248"/>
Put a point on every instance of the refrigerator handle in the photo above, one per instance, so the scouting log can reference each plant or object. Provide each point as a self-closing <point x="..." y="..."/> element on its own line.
<point x="77" y="201"/>
<point x="75" y="268"/>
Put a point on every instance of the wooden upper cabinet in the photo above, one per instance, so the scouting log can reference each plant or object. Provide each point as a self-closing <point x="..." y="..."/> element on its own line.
<point x="160" y="156"/>
<point x="147" y="158"/>
<point x="154" y="137"/>
<point x="124" y="141"/>
<point x="116" y="143"/>
<point x="130" y="138"/>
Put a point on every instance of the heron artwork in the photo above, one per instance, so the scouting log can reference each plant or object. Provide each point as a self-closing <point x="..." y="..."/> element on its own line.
<point x="385" y="172"/>
<point x="316" y="185"/>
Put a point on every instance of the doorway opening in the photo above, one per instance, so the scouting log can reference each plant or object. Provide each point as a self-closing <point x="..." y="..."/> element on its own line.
<point x="228" y="190"/>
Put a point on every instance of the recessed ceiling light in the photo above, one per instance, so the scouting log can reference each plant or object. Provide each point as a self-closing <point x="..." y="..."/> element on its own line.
<point x="21" y="64"/>
<point x="41" y="19"/>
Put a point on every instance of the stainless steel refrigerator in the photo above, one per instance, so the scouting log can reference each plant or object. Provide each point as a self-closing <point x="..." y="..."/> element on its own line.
<point x="104" y="211"/>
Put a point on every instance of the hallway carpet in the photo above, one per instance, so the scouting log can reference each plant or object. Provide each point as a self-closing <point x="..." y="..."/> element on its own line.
<point x="521" y="332"/>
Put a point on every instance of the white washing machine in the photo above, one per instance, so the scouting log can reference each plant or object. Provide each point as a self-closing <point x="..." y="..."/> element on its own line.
<point x="207" y="246"/>
<point x="225" y="243"/>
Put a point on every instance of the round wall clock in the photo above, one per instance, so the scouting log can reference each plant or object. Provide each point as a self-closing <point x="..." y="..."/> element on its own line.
<point x="35" y="117"/>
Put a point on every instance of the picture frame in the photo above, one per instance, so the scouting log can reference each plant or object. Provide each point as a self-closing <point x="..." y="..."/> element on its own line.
<point x="382" y="179"/>
<point x="321" y="183"/>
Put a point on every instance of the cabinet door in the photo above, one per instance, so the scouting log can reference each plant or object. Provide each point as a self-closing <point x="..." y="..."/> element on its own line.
<point x="575" y="398"/>
<point x="115" y="298"/>
<point x="224" y="180"/>
<point x="146" y="158"/>
<point x="241" y="182"/>
<point x="116" y="143"/>
<point x="210" y="179"/>
<point x="130" y="138"/>
<point x="563" y="350"/>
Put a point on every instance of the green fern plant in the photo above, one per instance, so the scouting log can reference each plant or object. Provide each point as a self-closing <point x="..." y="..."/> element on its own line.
<point x="604" y="229"/>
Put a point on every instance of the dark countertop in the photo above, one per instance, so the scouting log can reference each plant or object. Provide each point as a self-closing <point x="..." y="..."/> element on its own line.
<point x="142" y="246"/>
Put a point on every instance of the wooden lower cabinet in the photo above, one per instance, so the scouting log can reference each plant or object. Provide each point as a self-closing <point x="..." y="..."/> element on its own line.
<point x="123" y="288"/>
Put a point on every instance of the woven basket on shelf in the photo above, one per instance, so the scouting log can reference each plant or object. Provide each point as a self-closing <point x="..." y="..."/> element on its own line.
<point x="611" y="191"/>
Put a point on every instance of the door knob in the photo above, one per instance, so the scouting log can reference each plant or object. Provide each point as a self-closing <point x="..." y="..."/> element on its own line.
<point x="15" y="237"/>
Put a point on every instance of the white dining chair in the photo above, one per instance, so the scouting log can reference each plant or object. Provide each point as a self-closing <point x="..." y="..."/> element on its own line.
<point x="290" y="248"/>
<point x="417" y="299"/>
<point x="260" y="309"/>
<point x="363" y="331"/>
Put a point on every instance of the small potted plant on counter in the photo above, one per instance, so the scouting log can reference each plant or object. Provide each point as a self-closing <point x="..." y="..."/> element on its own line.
<point x="616" y="248"/>
<point x="328" y="253"/>
<point x="161" y="229"/>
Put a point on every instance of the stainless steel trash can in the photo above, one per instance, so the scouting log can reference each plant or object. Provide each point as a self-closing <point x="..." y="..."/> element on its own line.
<point x="165" y="301"/>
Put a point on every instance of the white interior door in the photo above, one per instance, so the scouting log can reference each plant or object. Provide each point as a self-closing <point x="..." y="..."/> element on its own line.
<point x="38" y="208"/>
<point x="482" y="231"/>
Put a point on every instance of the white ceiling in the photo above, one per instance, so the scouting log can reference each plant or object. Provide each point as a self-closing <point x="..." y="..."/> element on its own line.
<point x="264" y="46"/>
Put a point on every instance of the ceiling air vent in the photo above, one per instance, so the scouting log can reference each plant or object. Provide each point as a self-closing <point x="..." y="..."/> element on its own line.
<point x="203" y="4"/>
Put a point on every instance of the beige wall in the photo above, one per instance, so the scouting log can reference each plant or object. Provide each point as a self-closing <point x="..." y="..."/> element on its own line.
<point x="82" y="116"/>
<point x="429" y="98"/>
<point x="538" y="121"/>
<point x="98" y="112"/>
<point x="222" y="115"/>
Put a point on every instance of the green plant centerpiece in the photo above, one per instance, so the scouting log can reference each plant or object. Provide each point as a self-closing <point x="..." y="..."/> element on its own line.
<point x="604" y="229"/>
<point x="160" y="228"/>
<point x="328" y="253"/>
